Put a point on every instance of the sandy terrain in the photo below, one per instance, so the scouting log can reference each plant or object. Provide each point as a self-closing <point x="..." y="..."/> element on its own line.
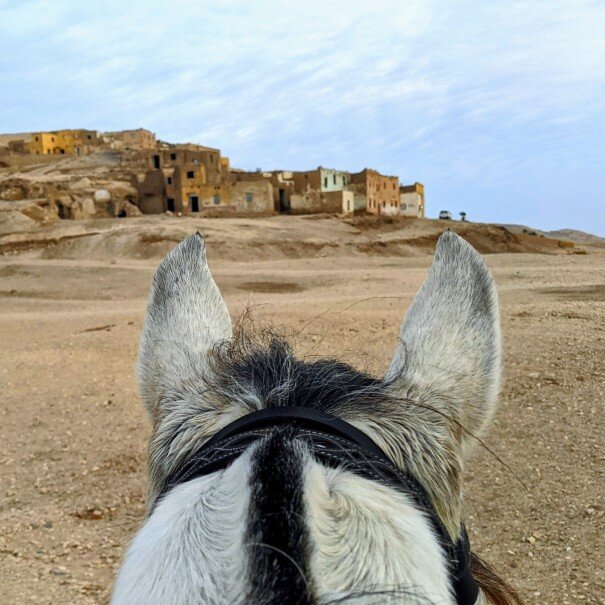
<point x="73" y="432"/>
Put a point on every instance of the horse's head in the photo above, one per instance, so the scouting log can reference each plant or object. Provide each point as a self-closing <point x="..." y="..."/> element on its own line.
<point x="298" y="508"/>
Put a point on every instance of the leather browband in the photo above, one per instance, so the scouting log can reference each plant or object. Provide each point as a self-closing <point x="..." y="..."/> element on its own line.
<point x="336" y="443"/>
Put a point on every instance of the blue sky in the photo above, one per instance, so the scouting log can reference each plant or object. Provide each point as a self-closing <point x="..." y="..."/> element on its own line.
<point x="498" y="107"/>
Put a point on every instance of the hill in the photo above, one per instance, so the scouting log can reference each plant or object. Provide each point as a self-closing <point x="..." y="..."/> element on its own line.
<point x="264" y="238"/>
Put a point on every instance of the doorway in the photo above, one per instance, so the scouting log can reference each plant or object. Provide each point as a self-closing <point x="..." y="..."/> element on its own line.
<point x="284" y="202"/>
<point x="170" y="204"/>
<point x="194" y="200"/>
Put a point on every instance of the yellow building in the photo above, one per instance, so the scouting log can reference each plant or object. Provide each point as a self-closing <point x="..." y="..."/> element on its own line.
<point x="59" y="142"/>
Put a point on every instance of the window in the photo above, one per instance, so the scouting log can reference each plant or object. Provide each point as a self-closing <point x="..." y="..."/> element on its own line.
<point x="89" y="137"/>
<point x="173" y="156"/>
<point x="334" y="177"/>
<point x="190" y="174"/>
<point x="249" y="197"/>
<point x="326" y="181"/>
<point x="169" y="180"/>
<point x="36" y="138"/>
<point x="216" y="199"/>
<point x="212" y="159"/>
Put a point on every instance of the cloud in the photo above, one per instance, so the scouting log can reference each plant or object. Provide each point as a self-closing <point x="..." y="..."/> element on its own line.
<point x="477" y="99"/>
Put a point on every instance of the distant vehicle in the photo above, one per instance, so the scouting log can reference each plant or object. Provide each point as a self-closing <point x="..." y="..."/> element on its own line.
<point x="445" y="215"/>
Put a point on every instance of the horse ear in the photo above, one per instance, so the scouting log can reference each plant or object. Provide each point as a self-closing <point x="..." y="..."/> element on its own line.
<point x="449" y="352"/>
<point x="186" y="318"/>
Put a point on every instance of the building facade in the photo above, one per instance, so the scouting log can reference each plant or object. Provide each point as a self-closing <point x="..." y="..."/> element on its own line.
<point x="376" y="193"/>
<point x="411" y="199"/>
<point x="252" y="196"/>
<point x="322" y="190"/>
<point x="181" y="155"/>
<point x="64" y="142"/>
<point x="139" y="139"/>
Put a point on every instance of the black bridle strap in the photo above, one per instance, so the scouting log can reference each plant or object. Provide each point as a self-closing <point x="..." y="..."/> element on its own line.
<point x="337" y="443"/>
<point x="307" y="417"/>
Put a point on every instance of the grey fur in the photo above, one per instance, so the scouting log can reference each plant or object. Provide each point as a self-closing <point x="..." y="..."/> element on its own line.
<point x="450" y="345"/>
<point x="440" y="388"/>
<point x="186" y="317"/>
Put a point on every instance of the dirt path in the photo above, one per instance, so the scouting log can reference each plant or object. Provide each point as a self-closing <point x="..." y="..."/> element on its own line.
<point x="73" y="432"/>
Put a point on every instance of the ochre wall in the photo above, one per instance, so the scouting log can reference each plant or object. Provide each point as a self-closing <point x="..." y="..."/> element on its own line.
<point x="252" y="196"/>
<point x="381" y="192"/>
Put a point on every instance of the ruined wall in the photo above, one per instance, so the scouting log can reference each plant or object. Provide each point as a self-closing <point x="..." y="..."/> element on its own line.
<point x="336" y="202"/>
<point x="252" y="196"/>
<point x="139" y="139"/>
<point x="282" y="182"/>
<point x="182" y="155"/>
<point x="152" y="193"/>
<point x="5" y="139"/>
<point x="309" y="180"/>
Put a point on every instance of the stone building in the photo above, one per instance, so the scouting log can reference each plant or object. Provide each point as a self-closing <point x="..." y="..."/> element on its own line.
<point x="194" y="192"/>
<point x="139" y="139"/>
<point x="64" y="142"/>
<point x="15" y="142"/>
<point x="180" y="155"/>
<point x="187" y="178"/>
<point x="322" y="190"/>
<point x="281" y="181"/>
<point x="376" y="193"/>
<point x="252" y="196"/>
<point x="411" y="199"/>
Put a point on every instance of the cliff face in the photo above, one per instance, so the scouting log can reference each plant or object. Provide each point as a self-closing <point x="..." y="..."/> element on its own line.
<point x="73" y="188"/>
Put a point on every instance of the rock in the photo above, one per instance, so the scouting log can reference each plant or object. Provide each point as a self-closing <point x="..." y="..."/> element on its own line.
<point x="102" y="196"/>
<point x="125" y="208"/>
<point x="83" y="183"/>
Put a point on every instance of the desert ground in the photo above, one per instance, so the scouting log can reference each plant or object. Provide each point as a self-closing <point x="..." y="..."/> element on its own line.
<point x="73" y="431"/>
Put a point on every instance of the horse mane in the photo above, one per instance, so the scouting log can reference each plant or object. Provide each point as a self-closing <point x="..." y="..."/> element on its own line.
<point x="496" y="589"/>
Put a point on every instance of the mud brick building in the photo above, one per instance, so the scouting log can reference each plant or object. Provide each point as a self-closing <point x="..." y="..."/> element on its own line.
<point x="64" y="142"/>
<point x="375" y="192"/>
<point x="322" y="190"/>
<point x="139" y="139"/>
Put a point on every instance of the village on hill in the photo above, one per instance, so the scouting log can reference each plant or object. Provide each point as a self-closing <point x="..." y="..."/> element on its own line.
<point x="74" y="174"/>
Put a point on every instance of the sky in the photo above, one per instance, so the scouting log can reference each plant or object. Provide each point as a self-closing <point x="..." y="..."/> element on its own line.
<point x="497" y="107"/>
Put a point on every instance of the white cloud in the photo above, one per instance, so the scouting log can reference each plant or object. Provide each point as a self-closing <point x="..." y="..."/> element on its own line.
<point x="464" y="95"/>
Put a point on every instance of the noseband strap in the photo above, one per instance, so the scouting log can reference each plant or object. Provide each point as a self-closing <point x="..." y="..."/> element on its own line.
<point x="338" y="444"/>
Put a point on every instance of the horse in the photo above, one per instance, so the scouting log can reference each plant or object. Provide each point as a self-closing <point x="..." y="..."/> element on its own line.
<point x="276" y="480"/>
